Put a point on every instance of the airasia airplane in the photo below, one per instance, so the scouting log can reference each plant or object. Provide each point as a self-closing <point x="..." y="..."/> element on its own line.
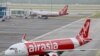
<point x="53" y="47"/>
<point x="45" y="14"/>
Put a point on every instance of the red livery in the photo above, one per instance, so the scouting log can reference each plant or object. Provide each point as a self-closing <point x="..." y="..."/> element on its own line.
<point x="53" y="47"/>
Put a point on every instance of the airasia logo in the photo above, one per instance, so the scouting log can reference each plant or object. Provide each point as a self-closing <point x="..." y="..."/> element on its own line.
<point x="42" y="46"/>
<point x="63" y="11"/>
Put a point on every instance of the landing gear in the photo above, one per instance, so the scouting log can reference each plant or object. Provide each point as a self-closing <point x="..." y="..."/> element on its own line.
<point x="43" y="17"/>
<point x="25" y="17"/>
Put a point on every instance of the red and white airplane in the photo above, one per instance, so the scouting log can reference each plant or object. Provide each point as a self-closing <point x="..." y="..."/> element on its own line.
<point x="53" y="47"/>
<point x="45" y="14"/>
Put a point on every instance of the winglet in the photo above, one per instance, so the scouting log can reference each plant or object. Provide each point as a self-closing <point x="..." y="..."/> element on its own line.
<point x="23" y="38"/>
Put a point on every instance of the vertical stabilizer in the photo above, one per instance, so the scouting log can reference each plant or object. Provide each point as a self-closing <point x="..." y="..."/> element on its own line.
<point x="64" y="11"/>
<point x="84" y="32"/>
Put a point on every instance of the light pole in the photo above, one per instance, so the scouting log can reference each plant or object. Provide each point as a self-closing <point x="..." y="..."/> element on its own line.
<point x="51" y="5"/>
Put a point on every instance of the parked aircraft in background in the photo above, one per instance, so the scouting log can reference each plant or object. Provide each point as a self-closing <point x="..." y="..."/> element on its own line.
<point x="45" y="14"/>
<point x="26" y="13"/>
<point x="53" y="47"/>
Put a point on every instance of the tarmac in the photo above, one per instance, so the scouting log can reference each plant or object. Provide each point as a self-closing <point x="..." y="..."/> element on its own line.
<point x="12" y="30"/>
<point x="71" y="30"/>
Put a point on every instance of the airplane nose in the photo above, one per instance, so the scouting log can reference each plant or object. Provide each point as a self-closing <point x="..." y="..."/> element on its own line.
<point x="8" y="53"/>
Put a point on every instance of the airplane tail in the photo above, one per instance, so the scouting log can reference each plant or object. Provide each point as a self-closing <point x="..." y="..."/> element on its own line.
<point x="84" y="32"/>
<point x="85" y="29"/>
<point x="64" y="11"/>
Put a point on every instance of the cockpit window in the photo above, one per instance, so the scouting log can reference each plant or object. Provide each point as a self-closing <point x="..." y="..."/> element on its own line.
<point x="13" y="48"/>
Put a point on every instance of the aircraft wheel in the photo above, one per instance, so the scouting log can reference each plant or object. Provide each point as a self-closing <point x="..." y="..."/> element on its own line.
<point x="26" y="17"/>
<point x="45" y="17"/>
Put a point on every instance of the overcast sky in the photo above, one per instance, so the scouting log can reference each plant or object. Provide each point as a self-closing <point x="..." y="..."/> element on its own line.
<point x="55" y="1"/>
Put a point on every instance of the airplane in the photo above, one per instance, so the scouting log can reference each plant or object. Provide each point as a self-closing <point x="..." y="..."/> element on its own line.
<point x="45" y="14"/>
<point x="54" y="47"/>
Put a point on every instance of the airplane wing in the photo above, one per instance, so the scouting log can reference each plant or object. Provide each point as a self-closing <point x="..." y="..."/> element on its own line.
<point x="73" y="50"/>
<point x="59" y="52"/>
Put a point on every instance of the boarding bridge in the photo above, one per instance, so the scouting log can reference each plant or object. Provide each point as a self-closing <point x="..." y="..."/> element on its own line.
<point x="2" y="12"/>
<point x="17" y="12"/>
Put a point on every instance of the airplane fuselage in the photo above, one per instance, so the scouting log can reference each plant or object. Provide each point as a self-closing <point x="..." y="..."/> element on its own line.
<point x="45" y="13"/>
<point x="39" y="47"/>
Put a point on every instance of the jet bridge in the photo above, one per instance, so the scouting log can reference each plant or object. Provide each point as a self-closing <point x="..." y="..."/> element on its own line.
<point x="2" y="11"/>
